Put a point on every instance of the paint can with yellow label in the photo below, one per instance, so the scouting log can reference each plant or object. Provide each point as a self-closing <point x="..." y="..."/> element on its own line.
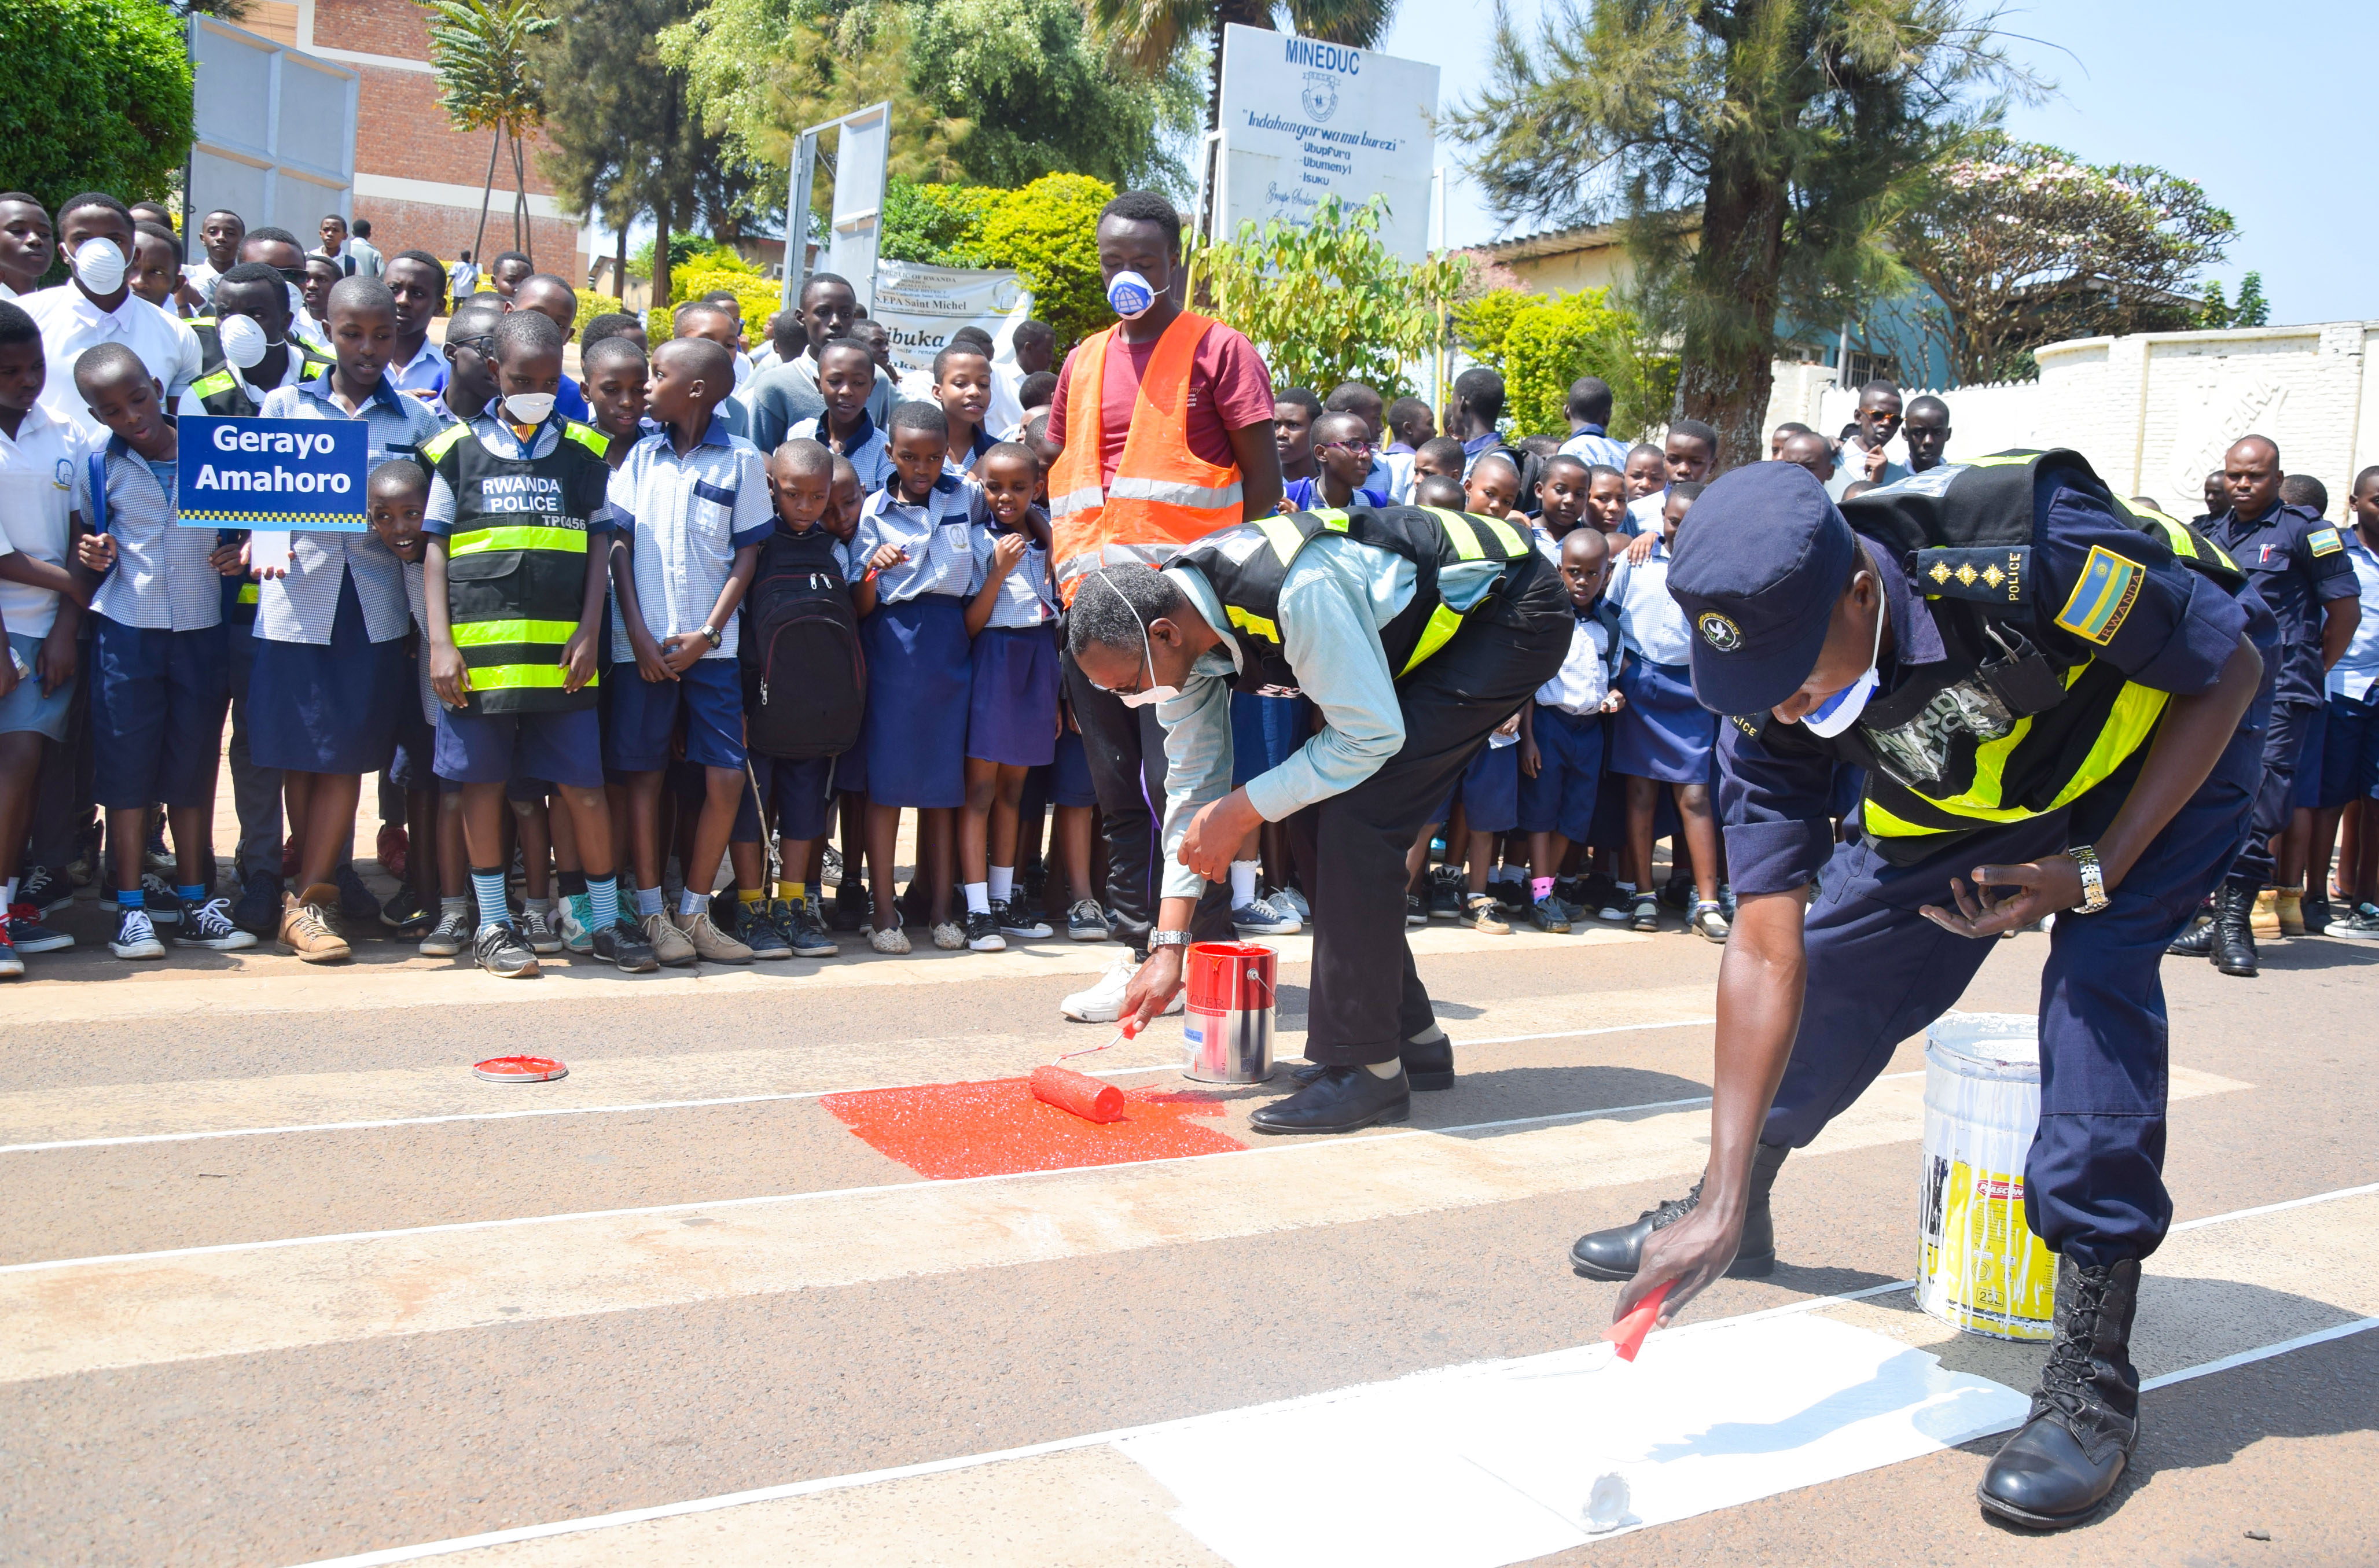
<point x="1980" y="1267"/>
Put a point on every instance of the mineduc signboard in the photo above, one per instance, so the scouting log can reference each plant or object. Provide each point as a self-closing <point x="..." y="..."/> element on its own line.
<point x="1303" y="120"/>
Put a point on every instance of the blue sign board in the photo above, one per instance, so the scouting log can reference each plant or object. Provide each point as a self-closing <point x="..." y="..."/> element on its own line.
<point x="273" y="474"/>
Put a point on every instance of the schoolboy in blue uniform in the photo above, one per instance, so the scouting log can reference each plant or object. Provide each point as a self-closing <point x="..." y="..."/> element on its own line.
<point x="161" y="678"/>
<point x="693" y="501"/>
<point x="2013" y="586"/>
<point x="331" y="624"/>
<point x="1563" y="731"/>
<point x="2349" y="753"/>
<point x="2298" y="567"/>
<point x="518" y="525"/>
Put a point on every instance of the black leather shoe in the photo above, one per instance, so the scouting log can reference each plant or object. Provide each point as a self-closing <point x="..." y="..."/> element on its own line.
<point x="1613" y="1254"/>
<point x="1429" y="1066"/>
<point x="1341" y="1099"/>
<point x="2062" y="1464"/>
<point x="2234" y="933"/>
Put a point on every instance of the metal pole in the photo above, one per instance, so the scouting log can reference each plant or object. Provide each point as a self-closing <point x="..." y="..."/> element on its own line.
<point x="797" y="220"/>
<point x="1444" y="319"/>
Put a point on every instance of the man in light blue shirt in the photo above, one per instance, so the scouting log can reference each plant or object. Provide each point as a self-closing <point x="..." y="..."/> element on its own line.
<point x="2350" y="747"/>
<point x="1415" y="635"/>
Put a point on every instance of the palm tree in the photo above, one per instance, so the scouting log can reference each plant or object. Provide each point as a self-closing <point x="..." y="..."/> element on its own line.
<point x="1152" y="33"/>
<point x="486" y="82"/>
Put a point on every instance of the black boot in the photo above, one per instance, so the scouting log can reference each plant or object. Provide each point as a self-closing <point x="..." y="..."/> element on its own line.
<point x="2234" y="936"/>
<point x="2197" y="941"/>
<point x="1613" y="1254"/>
<point x="2062" y="1464"/>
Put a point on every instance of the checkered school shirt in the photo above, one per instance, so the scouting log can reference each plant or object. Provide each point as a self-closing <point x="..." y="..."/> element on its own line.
<point x="160" y="579"/>
<point x="871" y="455"/>
<point x="686" y="518"/>
<point x="303" y="607"/>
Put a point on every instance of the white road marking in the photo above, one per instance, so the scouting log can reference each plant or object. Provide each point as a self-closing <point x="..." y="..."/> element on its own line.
<point x="515" y="1546"/>
<point x="684" y="1105"/>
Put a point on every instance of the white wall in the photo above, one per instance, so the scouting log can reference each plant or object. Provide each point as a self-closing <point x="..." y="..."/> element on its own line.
<point x="2153" y="411"/>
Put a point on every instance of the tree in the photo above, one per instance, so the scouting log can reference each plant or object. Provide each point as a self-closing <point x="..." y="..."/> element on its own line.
<point x="1540" y="344"/>
<point x="1752" y="149"/>
<point x="102" y="100"/>
<point x="992" y="91"/>
<point x="2253" y="309"/>
<point x="1159" y="34"/>
<point x="1326" y="301"/>
<point x="623" y="136"/>
<point x="2023" y="244"/>
<point x="487" y="82"/>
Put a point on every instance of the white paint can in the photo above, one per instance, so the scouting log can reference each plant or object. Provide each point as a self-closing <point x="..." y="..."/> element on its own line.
<point x="1980" y="1267"/>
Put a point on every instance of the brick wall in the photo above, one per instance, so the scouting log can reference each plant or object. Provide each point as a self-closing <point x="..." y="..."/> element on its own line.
<point x="373" y="27"/>
<point x="445" y="230"/>
<point x="401" y="130"/>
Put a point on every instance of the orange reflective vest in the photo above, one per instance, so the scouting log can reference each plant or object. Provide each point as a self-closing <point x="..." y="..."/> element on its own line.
<point x="1163" y="495"/>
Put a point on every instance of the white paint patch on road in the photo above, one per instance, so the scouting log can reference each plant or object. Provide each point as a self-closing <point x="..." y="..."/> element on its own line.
<point x="77" y="1316"/>
<point x="1700" y="1420"/>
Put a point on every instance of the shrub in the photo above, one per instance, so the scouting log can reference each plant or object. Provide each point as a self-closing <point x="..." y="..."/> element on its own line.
<point x="102" y="100"/>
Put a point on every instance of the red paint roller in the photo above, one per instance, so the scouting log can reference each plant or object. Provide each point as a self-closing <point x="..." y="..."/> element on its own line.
<point x="1085" y="1096"/>
<point x="1627" y="1335"/>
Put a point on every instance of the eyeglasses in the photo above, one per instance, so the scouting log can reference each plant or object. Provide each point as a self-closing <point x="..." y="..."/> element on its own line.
<point x="1352" y="448"/>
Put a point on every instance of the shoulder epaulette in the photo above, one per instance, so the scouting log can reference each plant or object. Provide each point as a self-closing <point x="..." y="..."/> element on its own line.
<point x="588" y="436"/>
<point x="439" y="445"/>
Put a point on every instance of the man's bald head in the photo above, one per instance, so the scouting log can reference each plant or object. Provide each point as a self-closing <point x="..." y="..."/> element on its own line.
<point x="2251" y="475"/>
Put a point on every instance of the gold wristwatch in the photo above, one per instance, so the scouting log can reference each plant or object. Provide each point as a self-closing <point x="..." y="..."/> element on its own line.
<point x="2094" y="880"/>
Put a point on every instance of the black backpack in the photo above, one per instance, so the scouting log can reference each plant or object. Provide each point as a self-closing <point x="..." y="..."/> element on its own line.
<point x="804" y="677"/>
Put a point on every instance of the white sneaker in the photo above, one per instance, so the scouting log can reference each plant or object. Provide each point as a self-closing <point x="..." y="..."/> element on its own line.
<point x="135" y="938"/>
<point x="208" y="926"/>
<point x="1102" y="1002"/>
<point x="1292" y="901"/>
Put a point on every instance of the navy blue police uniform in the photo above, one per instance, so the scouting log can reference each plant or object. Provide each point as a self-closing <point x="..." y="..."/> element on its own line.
<point x="2039" y="627"/>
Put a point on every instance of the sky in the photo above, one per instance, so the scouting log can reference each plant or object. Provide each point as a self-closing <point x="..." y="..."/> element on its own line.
<point x="2260" y="105"/>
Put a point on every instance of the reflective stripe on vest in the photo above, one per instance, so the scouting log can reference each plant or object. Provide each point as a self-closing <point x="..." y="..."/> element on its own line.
<point x="494" y="634"/>
<point x="512" y="535"/>
<point x="1163" y="495"/>
<point x="525" y="677"/>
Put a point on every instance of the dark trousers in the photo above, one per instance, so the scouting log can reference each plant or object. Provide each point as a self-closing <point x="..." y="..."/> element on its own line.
<point x="1125" y="747"/>
<point x="1356" y="842"/>
<point x="1880" y="972"/>
<point x="64" y="801"/>
<point x="2275" y="799"/>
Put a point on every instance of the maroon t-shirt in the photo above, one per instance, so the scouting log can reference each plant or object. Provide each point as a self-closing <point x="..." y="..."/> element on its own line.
<point x="1229" y="389"/>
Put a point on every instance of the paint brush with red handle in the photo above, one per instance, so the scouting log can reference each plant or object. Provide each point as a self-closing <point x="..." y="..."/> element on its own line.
<point x="1080" y="1092"/>
<point x="1626" y="1335"/>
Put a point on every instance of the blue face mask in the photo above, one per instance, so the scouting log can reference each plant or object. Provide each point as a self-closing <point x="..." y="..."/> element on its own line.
<point x="1131" y="296"/>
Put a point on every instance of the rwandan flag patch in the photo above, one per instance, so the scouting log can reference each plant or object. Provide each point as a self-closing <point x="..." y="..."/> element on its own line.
<point x="2325" y="541"/>
<point x="2103" y="596"/>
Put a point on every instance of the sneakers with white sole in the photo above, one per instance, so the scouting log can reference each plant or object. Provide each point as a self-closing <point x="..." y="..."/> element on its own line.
<point x="1086" y="922"/>
<point x="208" y="926"/>
<point x="450" y="936"/>
<point x="135" y="936"/>
<point x="1103" y="1001"/>
<point x="535" y="927"/>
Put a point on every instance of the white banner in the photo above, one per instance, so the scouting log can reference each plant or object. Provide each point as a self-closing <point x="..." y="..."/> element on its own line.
<point x="922" y="306"/>
<point x="1302" y="120"/>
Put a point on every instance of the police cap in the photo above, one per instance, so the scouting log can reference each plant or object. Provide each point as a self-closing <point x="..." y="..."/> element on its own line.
<point x="1758" y="564"/>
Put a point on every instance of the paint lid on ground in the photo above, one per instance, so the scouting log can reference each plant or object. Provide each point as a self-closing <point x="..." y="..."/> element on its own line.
<point x="519" y="1069"/>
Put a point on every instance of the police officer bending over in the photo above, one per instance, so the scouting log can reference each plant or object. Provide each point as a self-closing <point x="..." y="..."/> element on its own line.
<point x="1416" y="633"/>
<point x="2055" y="703"/>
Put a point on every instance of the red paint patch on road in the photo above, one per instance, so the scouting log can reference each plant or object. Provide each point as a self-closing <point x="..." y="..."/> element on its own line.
<point x="947" y="1130"/>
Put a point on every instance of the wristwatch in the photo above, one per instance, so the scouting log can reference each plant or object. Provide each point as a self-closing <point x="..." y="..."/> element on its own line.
<point x="2094" y="880"/>
<point x="1169" y="939"/>
<point x="714" y="634"/>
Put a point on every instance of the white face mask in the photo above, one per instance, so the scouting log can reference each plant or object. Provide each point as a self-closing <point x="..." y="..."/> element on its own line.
<point x="1842" y="711"/>
<point x="1131" y="296"/>
<point x="1147" y="654"/>
<point x="529" y="408"/>
<point x="242" y="340"/>
<point x="99" y="265"/>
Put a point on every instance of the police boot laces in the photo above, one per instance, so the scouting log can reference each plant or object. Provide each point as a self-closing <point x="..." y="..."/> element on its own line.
<point x="2072" y="1382"/>
<point x="1671" y="1209"/>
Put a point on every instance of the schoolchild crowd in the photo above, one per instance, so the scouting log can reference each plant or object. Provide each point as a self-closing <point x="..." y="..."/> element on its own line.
<point x="605" y="633"/>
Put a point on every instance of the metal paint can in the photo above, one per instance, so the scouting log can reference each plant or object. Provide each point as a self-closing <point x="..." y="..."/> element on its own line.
<point x="1980" y="1267"/>
<point x="1226" y="1024"/>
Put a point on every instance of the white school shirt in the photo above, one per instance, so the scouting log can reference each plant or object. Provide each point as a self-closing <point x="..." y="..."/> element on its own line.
<point x="1028" y="596"/>
<point x="303" y="606"/>
<point x="37" y="475"/>
<point x="686" y="516"/>
<point x="871" y="459"/>
<point x="161" y="580"/>
<point x="71" y="324"/>
<point x="2357" y="669"/>
<point x="1582" y="682"/>
<point x="1653" y="624"/>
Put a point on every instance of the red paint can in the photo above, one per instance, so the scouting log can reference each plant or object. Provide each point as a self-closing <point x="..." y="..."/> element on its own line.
<point x="1227" y="1022"/>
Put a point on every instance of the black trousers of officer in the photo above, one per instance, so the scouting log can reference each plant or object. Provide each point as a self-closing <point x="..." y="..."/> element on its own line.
<point x="2285" y="732"/>
<point x="1365" y="998"/>
<point x="1125" y="747"/>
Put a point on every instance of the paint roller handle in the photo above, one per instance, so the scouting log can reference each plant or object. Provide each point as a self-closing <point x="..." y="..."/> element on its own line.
<point x="1680" y="1262"/>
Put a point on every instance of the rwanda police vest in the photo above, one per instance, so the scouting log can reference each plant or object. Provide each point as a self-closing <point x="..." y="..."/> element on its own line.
<point x="1248" y="562"/>
<point x="221" y="393"/>
<point x="1996" y="733"/>
<point x="517" y="563"/>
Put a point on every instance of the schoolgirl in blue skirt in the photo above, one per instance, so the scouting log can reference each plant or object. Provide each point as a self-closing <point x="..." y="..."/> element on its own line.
<point x="917" y="536"/>
<point x="1012" y="710"/>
